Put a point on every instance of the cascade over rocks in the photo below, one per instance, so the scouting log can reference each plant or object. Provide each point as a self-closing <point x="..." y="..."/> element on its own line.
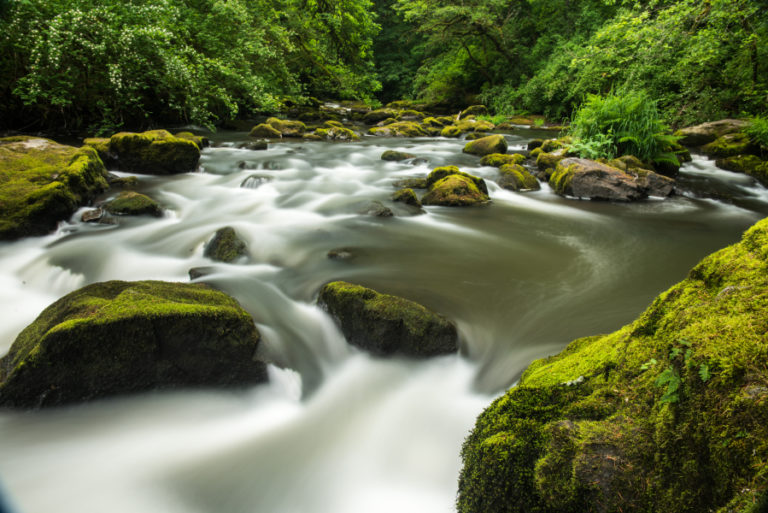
<point x="121" y="337"/>
<point x="44" y="182"/>
<point x="387" y="325"/>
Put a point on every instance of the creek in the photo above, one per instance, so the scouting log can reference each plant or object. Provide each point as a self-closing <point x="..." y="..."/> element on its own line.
<point x="336" y="430"/>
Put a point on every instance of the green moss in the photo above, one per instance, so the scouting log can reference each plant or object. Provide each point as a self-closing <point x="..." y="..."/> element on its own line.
<point x="669" y="413"/>
<point x="333" y="123"/>
<point x="336" y="133"/>
<point x="399" y="129"/>
<point x="474" y="125"/>
<point x="748" y="164"/>
<point x="486" y="145"/>
<point x="385" y="324"/>
<point x="500" y="159"/>
<point x="287" y="128"/>
<point x="432" y="122"/>
<point x="450" y="131"/>
<point x="154" y="152"/>
<point x="730" y="145"/>
<point x="225" y="246"/>
<point x="441" y="172"/>
<point x="396" y="156"/>
<point x="535" y="152"/>
<point x="516" y="178"/>
<point x="200" y="141"/>
<point x="455" y="190"/>
<point x="130" y="203"/>
<point x="43" y="182"/>
<point x="474" y="110"/>
<point x="101" y="145"/>
<point x="407" y="196"/>
<point x="377" y="115"/>
<point x="117" y="337"/>
<point x="410" y="115"/>
<point x="265" y="130"/>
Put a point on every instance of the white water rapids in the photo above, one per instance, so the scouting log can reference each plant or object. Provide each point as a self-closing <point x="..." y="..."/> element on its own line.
<point x="342" y="432"/>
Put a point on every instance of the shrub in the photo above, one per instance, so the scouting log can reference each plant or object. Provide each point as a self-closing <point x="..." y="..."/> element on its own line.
<point x="757" y="130"/>
<point x="622" y="124"/>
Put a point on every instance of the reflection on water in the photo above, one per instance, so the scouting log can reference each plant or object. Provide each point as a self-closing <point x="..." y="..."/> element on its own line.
<point x="341" y="432"/>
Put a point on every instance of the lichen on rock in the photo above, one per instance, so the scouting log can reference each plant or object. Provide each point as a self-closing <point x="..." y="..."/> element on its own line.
<point x="122" y="337"/>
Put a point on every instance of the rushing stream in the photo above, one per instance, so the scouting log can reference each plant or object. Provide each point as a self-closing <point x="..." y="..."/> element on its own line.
<point x="342" y="432"/>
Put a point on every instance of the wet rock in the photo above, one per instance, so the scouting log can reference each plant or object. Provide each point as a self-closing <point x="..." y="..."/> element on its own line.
<point x="387" y="325"/>
<point x="122" y="182"/>
<point x="265" y="130"/>
<point x="375" y="116"/>
<point x="501" y="159"/>
<point x="455" y="190"/>
<point x="584" y="178"/>
<point x="548" y="161"/>
<point x="399" y="129"/>
<point x="287" y="128"/>
<point x="200" y="272"/>
<point x="199" y="140"/>
<point x="700" y="135"/>
<point x="129" y="203"/>
<point x="92" y="216"/>
<point x="407" y="196"/>
<point x="751" y="165"/>
<point x="154" y="152"/>
<point x="255" y="181"/>
<point x="377" y="209"/>
<point x="254" y="145"/>
<point x="487" y="145"/>
<point x="439" y="173"/>
<point x="419" y="161"/>
<point x="43" y="183"/>
<point x="411" y="183"/>
<point x="515" y="177"/>
<point x="337" y="133"/>
<point x="396" y="156"/>
<point x="225" y="246"/>
<point x="730" y="145"/>
<point x="120" y="337"/>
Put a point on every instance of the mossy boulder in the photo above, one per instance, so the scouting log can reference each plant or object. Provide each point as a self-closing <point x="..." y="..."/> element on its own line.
<point x="583" y="178"/>
<point x="130" y="203"/>
<point x="125" y="337"/>
<point x="501" y="159"/>
<point x="225" y="246"/>
<point x="666" y="414"/>
<point x="473" y="136"/>
<point x="375" y="116"/>
<point x="441" y="172"/>
<point x="287" y="128"/>
<point x="396" y="156"/>
<point x="751" y="165"/>
<point x="474" y="125"/>
<point x="410" y="115"/>
<point x="545" y="161"/>
<point x="433" y="122"/>
<point x="399" y="129"/>
<point x="474" y="110"/>
<point x="101" y="145"/>
<point x="199" y="140"/>
<point x="451" y="131"/>
<point x="515" y="177"/>
<point x="487" y="145"/>
<point x="705" y="133"/>
<point x="455" y="190"/>
<point x="386" y="325"/>
<point x="406" y="196"/>
<point x="43" y="182"/>
<point x="730" y="145"/>
<point x="154" y="152"/>
<point x="266" y="131"/>
<point x="337" y="133"/>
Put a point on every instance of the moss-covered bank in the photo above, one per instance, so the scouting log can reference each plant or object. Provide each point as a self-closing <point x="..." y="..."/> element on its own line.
<point x="118" y="337"/>
<point x="670" y="413"/>
<point x="43" y="182"/>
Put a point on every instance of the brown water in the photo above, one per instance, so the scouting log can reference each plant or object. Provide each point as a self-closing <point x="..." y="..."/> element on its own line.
<point x="342" y="432"/>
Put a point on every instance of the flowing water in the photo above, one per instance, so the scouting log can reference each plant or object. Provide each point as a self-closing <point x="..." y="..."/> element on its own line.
<point x="335" y="430"/>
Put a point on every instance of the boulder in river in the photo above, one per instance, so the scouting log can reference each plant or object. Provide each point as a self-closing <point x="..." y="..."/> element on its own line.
<point x="474" y="110"/>
<point x="199" y="140"/>
<point x="399" y="129"/>
<point x="44" y="182"/>
<point x="387" y="325"/>
<point x="666" y="414"/>
<point x="377" y="209"/>
<point x="730" y="145"/>
<point x="486" y="145"/>
<point x="704" y="133"/>
<point x="122" y="337"/>
<point x="154" y="152"/>
<point x="225" y="246"/>
<point x="585" y="178"/>
<point x="130" y="203"/>
<point x="265" y="130"/>
<point x="375" y="116"/>
<point x="441" y="172"/>
<point x="456" y="190"/>
<point x="396" y="156"/>
<point x="501" y="159"/>
<point x="407" y="196"/>
<point x="451" y="131"/>
<point x="515" y="177"/>
<point x="337" y="133"/>
<point x="411" y="183"/>
<point x="287" y="128"/>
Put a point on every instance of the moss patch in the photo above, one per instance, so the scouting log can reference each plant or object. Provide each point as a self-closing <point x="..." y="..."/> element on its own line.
<point x="750" y="165"/>
<point x="500" y="159"/>
<point x="154" y="152"/>
<point x="130" y="203"/>
<point x="486" y="145"/>
<point x="399" y="129"/>
<point x="225" y="246"/>
<point x="516" y="178"/>
<point x="455" y="190"/>
<point x="43" y="182"/>
<point x="119" y="337"/>
<point x="669" y="413"/>
<point x="407" y="196"/>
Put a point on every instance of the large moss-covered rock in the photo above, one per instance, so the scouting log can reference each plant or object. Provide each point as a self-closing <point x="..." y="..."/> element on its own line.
<point x="43" y="182"/>
<point x="406" y="196"/>
<point x="199" y="140"/>
<point x="583" y="178"/>
<point x="225" y="246"/>
<point x="455" y="190"/>
<point x="154" y="152"/>
<point x="265" y="130"/>
<point x="287" y="128"/>
<point x="474" y="110"/>
<point x="450" y="131"/>
<point x="486" y="145"/>
<point x="130" y="203"/>
<point x="386" y="325"/>
<point x="396" y="156"/>
<point x="700" y="135"/>
<point x="545" y="161"/>
<point x="501" y="159"/>
<point x="375" y="116"/>
<point x="751" y="165"/>
<point x="121" y="337"/>
<point x="515" y="177"/>
<point x="730" y="145"/>
<point x="441" y="172"/>
<point x="669" y="413"/>
<point x="399" y="129"/>
<point x="337" y="133"/>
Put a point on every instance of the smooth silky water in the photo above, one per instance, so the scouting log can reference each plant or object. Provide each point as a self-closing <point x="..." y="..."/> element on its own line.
<point x="341" y="432"/>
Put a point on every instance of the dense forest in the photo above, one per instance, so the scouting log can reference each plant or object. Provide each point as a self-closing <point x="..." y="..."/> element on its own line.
<point x="96" y="66"/>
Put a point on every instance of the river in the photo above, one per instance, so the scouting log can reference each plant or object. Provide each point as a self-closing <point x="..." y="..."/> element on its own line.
<point x="335" y="430"/>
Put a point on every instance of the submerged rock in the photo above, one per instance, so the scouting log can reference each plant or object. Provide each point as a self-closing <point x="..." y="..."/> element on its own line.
<point x="666" y="414"/>
<point x="122" y="337"/>
<point x="225" y="246"/>
<point x="377" y="209"/>
<point x="410" y="183"/>
<point x="486" y="145"/>
<point x="44" y="182"/>
<point x="129" y="203"/>
<point x="386" y="325"/>
<point x="407" y="196"/>
<point x="154" y="152"/>
<point x="396" y="156"/>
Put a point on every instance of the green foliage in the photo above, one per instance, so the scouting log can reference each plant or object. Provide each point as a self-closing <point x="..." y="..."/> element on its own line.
<point x="621" y="124"/>
<point x="757" y="130"/>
